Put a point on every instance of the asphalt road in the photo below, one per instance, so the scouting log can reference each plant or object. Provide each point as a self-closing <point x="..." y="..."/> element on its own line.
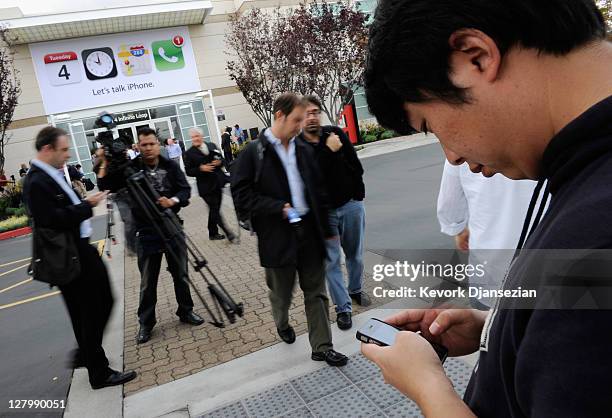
<point x="35" y="336"/>
<point x="401" y="194"/>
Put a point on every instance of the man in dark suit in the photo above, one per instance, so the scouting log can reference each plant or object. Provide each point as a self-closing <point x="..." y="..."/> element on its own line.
<point x="170" y="183"/>
<point x="53" y="205"/>
<point x="203" y="161"/>
<point x="277" y="182"/>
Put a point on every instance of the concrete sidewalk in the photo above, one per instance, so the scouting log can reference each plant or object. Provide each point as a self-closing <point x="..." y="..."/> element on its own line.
<point x="190" y="371"/>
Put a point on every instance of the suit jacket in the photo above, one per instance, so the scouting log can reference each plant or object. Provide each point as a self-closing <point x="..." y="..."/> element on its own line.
<point x="49" y="206"/>
<point x="207" y="182"/>
<point x="278" y="245"/>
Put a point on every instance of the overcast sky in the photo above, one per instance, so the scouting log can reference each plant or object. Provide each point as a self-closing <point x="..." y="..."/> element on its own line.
<point x="34" y="7"/>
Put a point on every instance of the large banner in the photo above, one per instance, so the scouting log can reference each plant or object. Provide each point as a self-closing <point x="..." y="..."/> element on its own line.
<point x="97" y="71"/>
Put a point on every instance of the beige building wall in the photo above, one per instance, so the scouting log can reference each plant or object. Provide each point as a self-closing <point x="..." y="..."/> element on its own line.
<point x="209" y="47"/>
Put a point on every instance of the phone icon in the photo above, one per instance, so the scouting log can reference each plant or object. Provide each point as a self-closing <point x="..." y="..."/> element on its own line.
<point x="167" y="55"/>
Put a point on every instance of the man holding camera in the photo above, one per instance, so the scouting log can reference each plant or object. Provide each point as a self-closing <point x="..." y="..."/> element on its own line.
<point x="57" y="212"/>
<point x="204" y="161"/>
<point x="170" y="183"/>
<point x="343" y="174"/>
<point x="277" y="182"/>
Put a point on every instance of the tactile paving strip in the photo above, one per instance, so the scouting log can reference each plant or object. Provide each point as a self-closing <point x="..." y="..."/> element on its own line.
<point x="405" y="409"/>
<point x="459" y="372"/>
<point x="315" y="385"/>
<point x="359" y="368"/>
<point x="235" y="410"/>
<point x="298" y="413"/>
<point x="382" y="394"/>
<point x="272" y="402"/>
<point x="348" y="403"/>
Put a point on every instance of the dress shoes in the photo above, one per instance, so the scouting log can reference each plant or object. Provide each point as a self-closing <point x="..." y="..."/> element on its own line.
<point x="331" y="357"/>
<point x="192" y="318"/>
<point x="144" y="335"/>
<point x="287" y="335"/>
<point x="114" y="378"/>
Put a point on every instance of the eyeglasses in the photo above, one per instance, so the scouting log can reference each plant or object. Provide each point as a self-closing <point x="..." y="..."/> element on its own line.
<point x="313" y="113"/>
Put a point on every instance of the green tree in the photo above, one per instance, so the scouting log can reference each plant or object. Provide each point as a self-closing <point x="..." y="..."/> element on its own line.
<point x="10" y="88"/>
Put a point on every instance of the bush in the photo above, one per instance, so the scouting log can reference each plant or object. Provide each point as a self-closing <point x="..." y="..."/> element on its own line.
<point x="10" y="198"/>
<point x="370" y="138"/>
<point x="388" y="135"/>
<point x="20" y="211"/>
<point x="13" y="222"/>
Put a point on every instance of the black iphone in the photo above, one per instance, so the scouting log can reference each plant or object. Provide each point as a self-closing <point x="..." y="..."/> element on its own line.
<point x="380" y="333"/>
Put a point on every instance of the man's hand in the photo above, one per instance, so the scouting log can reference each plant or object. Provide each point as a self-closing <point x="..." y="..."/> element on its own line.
<point x="413" y="376"/>
<point x="333" y="142"/>
<point x="462" y="240"/>
<point x="456" y="329"/>
<point x="166" y="203"/>
<point x="96" y="198"/>
<point x="285" y="210"/>
<point x="207" y="168"/>
<point x="216" y="163"/>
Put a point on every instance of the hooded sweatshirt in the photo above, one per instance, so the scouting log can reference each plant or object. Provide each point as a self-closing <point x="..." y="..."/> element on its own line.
<point x="551" y="360"/>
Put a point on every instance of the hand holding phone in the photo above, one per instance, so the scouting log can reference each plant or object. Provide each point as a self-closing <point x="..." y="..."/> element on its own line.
<point x="380" y="333"/>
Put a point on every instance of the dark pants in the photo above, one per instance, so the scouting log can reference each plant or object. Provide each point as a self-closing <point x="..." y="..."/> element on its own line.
<point x="310" y="270"/>
<point x="89" y="302"/>
<point x="213" y="200"/>
<point x="227" y="154"/>
<point x="149" y="264"/>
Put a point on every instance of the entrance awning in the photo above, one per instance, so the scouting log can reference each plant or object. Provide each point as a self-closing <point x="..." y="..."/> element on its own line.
<point x="30" y="29"/>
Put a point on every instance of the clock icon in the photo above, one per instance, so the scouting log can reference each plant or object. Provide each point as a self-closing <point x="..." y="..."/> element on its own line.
<point x="99" y="63"/>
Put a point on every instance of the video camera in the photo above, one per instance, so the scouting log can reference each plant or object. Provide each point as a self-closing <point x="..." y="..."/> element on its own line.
<point x="115" y="145"/>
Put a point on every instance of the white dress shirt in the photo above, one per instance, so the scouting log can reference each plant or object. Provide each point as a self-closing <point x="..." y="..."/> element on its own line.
<point x="289" y="160"/>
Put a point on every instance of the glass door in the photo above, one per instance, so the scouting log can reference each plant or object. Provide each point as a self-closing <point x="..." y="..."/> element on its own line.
<point x="163" y="129"/>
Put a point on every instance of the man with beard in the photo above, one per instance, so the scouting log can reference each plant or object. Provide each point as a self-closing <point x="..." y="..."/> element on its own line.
<point x="342" y="173"/>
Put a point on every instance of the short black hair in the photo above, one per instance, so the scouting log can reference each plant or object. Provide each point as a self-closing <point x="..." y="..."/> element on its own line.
<point x="146" y="132"/>
<point x="313" y="100"/>
<point x="236" y="126"/>
<point x="286" y="102"/>
<point x="48" y="136"/>
<point x="409" y="47"/>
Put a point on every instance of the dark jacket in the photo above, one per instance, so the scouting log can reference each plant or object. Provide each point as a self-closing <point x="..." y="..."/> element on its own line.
<point x="556" y="362"/>
<point x="265" y="200"/>
<point x="207" y="182"/>
<point x="341" y="170"/>
<point x="49" y="206"/>
<point x="175" y="185"/>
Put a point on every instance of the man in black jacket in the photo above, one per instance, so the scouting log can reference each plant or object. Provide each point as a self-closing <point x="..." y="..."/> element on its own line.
<point x="203" y="161"/>
<point x="170" y="183"/>
<point x="504" y="86"/>
<point x="52" y="204"/>
<point x="226" y="145"/>
<point x="277" y="182"/>
<point x="342" y="172"/>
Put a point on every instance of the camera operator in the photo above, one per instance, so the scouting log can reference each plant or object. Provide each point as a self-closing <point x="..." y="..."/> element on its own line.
<point x="59" y="215"/>
<point x="203" y="161"/>
<point x="170" y="182"/>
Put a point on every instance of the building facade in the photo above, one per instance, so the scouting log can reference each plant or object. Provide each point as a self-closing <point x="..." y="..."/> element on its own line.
<point x="157" y="65"/>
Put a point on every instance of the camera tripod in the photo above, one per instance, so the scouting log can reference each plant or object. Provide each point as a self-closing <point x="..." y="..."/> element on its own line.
<point x="168" y="226"/>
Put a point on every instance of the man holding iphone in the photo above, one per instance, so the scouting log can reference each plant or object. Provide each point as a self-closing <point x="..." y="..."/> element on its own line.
<point x="505" y="88"/>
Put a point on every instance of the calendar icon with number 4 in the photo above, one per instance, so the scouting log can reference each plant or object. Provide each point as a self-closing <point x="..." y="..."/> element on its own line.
<point x="63" y="68"/>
